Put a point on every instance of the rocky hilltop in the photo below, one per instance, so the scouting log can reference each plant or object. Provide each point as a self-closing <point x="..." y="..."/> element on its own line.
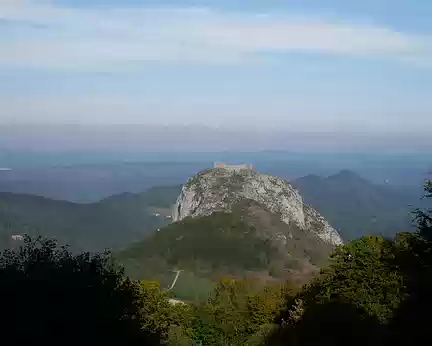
<point x="233" y="221"/>
<point x="221" y="189"/>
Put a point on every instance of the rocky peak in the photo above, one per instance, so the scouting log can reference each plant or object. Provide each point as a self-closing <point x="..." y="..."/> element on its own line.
<point x="220" y="189"/>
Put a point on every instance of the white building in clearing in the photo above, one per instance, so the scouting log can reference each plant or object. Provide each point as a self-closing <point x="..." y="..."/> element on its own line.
<point x="238" y="167"/>
<point x="17" y="237"/>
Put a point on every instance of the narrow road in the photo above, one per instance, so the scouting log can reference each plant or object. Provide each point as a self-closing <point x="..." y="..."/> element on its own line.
<point x="175" y="279"/>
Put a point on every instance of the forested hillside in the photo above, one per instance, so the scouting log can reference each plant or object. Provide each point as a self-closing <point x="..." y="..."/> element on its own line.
<point x="110" y="223"/>
<point x="249" y="241"/>
<point x="357" y="207"/>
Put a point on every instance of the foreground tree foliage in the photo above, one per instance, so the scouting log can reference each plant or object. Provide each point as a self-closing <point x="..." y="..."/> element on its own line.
<point x="376" y="291"/>
<point x="358" y="292"/>
<point x="413" y="319"/>
<point x="49" y="296"/>
<point x="171" y="321"/>
<point x="238" y="312"/>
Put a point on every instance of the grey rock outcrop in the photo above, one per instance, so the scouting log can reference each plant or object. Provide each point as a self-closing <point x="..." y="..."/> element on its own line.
<point x="219" y="189"/>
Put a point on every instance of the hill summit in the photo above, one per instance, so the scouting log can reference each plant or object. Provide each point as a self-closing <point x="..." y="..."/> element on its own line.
<point x="220" y="189"/>
<point x="236" y="222"/>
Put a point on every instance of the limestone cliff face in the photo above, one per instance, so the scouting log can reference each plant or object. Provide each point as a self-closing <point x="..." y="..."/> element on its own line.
<point x="219" y="189"/>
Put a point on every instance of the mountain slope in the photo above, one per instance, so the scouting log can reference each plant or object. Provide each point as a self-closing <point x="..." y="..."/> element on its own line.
<point x="248" y="241"/>
<point x="238" y="223"/>
<point x="110" y="223"/>
<point x="356" y="206"/>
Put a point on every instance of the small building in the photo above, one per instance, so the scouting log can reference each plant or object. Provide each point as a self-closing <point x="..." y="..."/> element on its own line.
<point x="176" y="302"/>
<point x="236" y="167"/>
<point x="17" y="237"/>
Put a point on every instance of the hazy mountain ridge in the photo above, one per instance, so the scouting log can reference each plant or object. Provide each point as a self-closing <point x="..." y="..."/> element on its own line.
<point x="92" y="182"/>
<point x="356" y="206"/>
<point x="91" y="176"/>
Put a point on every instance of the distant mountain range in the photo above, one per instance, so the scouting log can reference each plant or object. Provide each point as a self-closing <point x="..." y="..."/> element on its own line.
<point x="92" y="176"/>
<point x="356" y="206"/>
<point x="91" y="183"/>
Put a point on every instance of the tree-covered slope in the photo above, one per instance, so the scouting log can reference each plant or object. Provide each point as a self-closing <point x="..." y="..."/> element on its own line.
<point x="357" y="207"/>
<point x="248" y="241"/>
<point x="110" y="223"/>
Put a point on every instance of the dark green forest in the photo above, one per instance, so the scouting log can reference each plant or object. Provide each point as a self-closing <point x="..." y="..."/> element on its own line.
<point x="110" y="223"/>
<point x="245" y="242"/>
<point x="374" y="291"/>
<point x="358" y="207"/>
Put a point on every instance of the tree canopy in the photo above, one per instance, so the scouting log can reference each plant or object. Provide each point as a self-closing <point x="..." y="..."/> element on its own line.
<point x="376" y="291"/>
<point x="49" y="296"/>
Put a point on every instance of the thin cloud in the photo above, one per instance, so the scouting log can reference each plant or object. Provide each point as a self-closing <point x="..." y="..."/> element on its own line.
<point x="49" y="36"/>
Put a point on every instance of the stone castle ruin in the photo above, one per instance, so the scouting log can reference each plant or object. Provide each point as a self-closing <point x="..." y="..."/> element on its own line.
<point x="237" y="167"/>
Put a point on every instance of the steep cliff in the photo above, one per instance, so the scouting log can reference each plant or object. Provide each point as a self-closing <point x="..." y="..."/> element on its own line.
<point x="221" y="189"/>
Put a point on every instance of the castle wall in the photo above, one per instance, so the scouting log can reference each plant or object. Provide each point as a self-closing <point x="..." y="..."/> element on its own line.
<point x="238" y="167"/>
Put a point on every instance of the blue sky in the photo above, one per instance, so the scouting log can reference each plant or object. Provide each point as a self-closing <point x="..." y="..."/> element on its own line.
<point x="310" y="65"/>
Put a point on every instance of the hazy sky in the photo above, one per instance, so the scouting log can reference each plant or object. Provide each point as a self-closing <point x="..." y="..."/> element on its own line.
<point x="305" y="65"/>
